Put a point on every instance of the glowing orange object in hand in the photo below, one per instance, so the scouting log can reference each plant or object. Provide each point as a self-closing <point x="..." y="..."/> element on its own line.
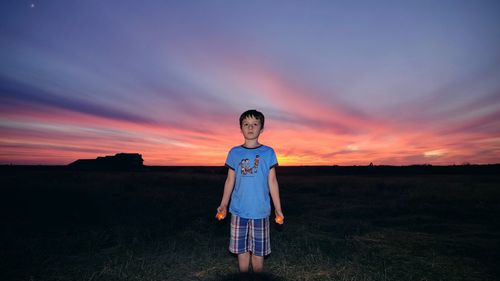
<point x="279" y="220"/>
<point x="220" y="216"/>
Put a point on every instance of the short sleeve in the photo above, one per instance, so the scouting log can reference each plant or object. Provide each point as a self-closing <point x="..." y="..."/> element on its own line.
<point x="230" y="160"/>
<point x="274" y="160"/>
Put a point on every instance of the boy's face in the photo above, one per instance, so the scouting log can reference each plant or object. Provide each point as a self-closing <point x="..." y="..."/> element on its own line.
<point x="251" y="128"/>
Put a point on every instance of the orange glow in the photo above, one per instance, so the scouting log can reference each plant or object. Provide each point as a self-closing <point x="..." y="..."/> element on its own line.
<point x="220" y="216"/>
<point x="61" y="137"/>
<point x="301" y="129"/>
<point x="279" y="220"/>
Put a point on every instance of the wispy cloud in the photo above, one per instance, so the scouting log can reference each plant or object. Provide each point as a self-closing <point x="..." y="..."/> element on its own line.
<point x="16" y="93"/>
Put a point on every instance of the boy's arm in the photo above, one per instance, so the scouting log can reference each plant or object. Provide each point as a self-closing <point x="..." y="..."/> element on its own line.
<point x="228" y="189"/>
<point x="275" y="192"/>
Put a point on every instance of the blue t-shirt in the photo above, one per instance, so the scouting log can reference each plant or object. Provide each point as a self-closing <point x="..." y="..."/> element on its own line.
<point x="250" y="197"/>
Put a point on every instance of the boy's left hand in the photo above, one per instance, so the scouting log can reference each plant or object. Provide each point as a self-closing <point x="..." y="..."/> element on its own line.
<point x="280" y="218"/>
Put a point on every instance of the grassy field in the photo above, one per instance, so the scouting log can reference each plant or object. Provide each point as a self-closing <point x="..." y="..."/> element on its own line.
<point x="159" y="225"/>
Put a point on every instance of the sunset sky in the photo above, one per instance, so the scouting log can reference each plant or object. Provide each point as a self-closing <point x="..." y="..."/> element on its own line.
<point x="340" y="82"/>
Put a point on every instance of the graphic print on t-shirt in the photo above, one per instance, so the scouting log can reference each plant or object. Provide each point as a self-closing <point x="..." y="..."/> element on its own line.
<point x="245" y="168"/>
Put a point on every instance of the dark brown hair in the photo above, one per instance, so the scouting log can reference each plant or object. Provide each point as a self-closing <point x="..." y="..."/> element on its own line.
<point x="252" y="113"/>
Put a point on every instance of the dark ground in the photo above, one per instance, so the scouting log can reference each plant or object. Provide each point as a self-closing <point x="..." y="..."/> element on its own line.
<point x="342" y="223"/>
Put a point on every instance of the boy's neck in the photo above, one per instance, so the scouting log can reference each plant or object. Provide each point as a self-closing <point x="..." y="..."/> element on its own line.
<point x="251" y="143"/>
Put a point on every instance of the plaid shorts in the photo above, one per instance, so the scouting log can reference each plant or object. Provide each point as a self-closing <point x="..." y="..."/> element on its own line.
<point x="250" y="235"/>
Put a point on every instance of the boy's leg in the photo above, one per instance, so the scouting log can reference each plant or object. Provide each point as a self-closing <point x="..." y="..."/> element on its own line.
<point x="259" y="242"/>
<point x="257" y="263"/>
<point x="238" y="242"/>
<point x="244" y="262"/>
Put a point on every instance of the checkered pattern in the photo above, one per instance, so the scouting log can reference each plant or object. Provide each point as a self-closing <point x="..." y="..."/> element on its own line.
<point x="250" y="235"/>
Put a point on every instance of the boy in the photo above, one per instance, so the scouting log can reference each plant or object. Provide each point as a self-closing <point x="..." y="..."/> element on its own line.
<point x="249" y="189"/>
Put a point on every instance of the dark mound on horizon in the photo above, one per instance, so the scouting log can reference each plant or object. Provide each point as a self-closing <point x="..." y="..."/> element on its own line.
<point x="117" y="162"/>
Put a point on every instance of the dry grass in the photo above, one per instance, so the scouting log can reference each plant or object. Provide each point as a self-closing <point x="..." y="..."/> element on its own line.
<point x="63" y="225"/>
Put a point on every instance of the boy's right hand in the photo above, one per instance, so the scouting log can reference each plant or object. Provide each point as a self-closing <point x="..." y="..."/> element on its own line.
<point x="221" y="212"/>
